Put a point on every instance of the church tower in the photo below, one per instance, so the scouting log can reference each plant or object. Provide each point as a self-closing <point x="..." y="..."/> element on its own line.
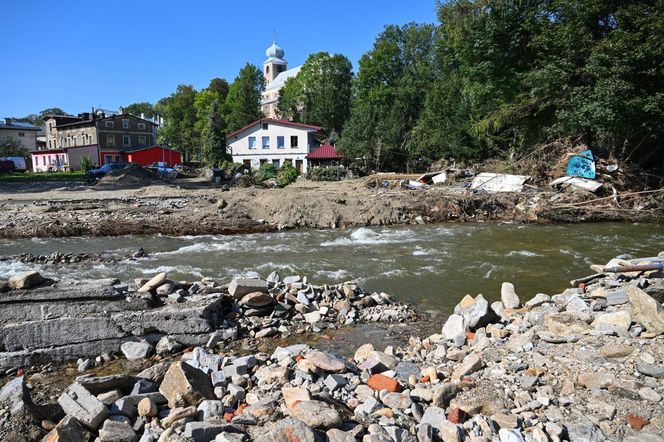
<point x="275" y="63"/>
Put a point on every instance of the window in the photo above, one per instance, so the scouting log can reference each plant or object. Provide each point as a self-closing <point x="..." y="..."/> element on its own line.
<point x="117" y="158"/>
<point x="126" y="141"/>
<point x="293" y="141"/>
<point x="275" y="163"/>
<point x="265" y="125"/>
<point x="74" y="137"/>
<point x="21" y="134"/>
<point x="142" y="140"/>
<point x="108" y="158"/>
<point x="110" y="140"/>
<point x="125" y="124"/>
<point x="252" y="142"/>
<point x="281" y="142"/>
<point x="109" y="123"/>
<point x="141" y="126"/>
<point x="266" y="142"/>
<point x="44" y="160"/>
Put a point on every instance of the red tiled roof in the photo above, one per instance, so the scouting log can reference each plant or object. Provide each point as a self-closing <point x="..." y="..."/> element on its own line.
<point x="325" y="152"/>
<point x="275" y="121"/>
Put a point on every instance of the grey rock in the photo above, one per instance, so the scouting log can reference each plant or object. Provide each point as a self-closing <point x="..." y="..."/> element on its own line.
<point x="25" y="280"/>
<point x="646" y="310"/>
<point x="617" y="298"/>
<point x="288" y="430"/>
<point x="434" y="416"/>
<point x="475" y="312"/>
<point x="454" y="326"/>
<point x="243" y="286"/>
<point x="204" y="431"/>
<point x="317" y="414"/>
<point x="135" y="351"/>
<point x="444" y="394"/>
<point x="14" y="396"/>
<point x="77" y="402"/>
<point x="334" y="382"/>
<point x="326" y="361"/>
<point x="155" y="373"/>
<point x="508" y="297"/>
<point x="507" y="435"/>
<point x="117" y="431"/>
<point x="335" y="435"/>
<point x="652" y="370"/>
<point x="584" y="431"/>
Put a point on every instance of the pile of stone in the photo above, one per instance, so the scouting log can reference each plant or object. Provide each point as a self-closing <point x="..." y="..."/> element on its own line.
<point x="72" y="258"/>
<point x="582" y="365"/>
<point x="55" y="321"/>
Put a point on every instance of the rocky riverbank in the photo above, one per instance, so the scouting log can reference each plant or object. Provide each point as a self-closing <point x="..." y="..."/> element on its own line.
<point x="582" y="365"/>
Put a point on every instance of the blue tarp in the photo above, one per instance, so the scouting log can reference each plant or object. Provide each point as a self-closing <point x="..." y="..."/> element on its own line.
<point x="582" y="165"/>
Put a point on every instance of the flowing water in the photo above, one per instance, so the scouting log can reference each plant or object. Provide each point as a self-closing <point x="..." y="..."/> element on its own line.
<point x="432" y="266"/>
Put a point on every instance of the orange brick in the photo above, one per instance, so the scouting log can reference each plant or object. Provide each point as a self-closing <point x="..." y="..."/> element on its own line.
<point x="381" y="382"/>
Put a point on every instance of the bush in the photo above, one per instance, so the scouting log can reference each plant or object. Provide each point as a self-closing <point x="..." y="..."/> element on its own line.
<point x="233" y="168"/>
<point x="287" y="174"/>
<point x="333" y="173"/>
<point x="86" y="164"/>
<point x="267" y="171"/>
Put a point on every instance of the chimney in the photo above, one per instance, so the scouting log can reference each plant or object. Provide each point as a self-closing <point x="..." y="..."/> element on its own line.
<point x="8" y="120"/>
<point x="142" y="116"/>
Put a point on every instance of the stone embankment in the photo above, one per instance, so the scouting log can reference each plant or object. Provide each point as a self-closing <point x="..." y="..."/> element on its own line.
<point x="55" y="321"/>
<point x="582" y="365"/>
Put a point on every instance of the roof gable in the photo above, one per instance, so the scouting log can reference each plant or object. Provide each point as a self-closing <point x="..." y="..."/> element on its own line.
<point x="325" y="152"/>
<point x="308" y="127"/>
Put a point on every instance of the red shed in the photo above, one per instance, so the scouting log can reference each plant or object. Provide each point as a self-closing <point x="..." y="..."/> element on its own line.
<point x="146" y="156"/>
<point x="325" y="155"/>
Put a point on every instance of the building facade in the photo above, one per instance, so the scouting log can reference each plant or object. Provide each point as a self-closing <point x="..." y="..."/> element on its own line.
<point x="103" y="139"/>
<point x="273" y="141"/>
<point x="25" y="133"/>
<point x="276" y="72"/>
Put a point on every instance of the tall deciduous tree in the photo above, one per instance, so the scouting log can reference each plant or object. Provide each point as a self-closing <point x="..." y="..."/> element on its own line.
<point x="390" y="91"/>
<point x="320" y="93"/>
<point x="214" y="136"/>
<point x="242" y="105"/>
<point x="143" y="107"/>
<point x="180" y="120"/>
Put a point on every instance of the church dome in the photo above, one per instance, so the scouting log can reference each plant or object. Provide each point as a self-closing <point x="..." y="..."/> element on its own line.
<point x="275" y="51"/>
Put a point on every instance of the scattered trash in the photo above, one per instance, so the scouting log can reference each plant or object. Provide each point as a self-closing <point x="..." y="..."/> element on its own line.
<point x="582" y="165"/>
<point x="590" y="185"/>
<point x="415" y="184"/>
<point x="495" y="182"/>
<point x="433" y="177"/>
<point x="611" y="168"/>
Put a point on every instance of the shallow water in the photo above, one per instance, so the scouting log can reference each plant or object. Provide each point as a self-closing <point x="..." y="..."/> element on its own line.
<point x="432" y="266"/>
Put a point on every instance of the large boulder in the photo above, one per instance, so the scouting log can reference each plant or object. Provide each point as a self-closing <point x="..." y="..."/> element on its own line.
<point x="153" y="283"/>
<point x="243" y="286"/>
<point x="508" y="297"/>
<point x="135" y="351"/>
<point x="25" y="280"/>
<point x="646" y="310"/>
<point x="317" y="414"/>
<point x="79" y="403"/>
<point x="454" y="327"/>
<point x="185" y="385"/>
<point x="475" y="311"/>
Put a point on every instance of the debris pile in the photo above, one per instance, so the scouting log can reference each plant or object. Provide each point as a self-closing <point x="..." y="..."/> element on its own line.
<point x="134" y="174"/>
<point x="585" y="364"/>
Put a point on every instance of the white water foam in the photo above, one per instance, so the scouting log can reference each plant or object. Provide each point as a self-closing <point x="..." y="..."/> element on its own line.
<point x="522" y="253"/>
<point x="188" y="270"/>
<point x="332" y="275"/>
<point x="364" y="236"/>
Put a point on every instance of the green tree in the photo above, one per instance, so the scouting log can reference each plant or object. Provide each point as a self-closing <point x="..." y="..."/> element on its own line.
<point x="389" y="95"/>
<point x="214" y="136"/>
<point x="242" y="105"/>
<point x="320" y="93"/>
<point x="147" y="109"/>
<point x="180" y="121"/>
<point x="220" y="87"/>
<point x="12" y="147"/>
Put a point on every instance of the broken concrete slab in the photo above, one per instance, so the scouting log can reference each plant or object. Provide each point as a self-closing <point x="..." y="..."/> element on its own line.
<point x="79" y="403"/>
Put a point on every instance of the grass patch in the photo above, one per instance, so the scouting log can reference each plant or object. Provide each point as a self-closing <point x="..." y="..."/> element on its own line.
<point x="43" y="176"/>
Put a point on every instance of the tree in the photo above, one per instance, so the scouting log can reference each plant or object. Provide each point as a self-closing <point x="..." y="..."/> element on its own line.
<point x="320" y="93"/>
<point x="180" y="120"/>
<point x="143" y="107"/>
<point x="12" y="147"/>
<point x="242" y="105"/>
<point x="389" y="95"/>
<point x="214" y="136"/>
<point x="220" y="87"/>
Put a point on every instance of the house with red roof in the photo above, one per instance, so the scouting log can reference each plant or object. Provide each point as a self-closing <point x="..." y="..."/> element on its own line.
<point x="269" y="140"/>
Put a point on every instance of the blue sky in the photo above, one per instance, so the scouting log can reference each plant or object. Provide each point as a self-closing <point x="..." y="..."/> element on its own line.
<point x="78" y="54"/>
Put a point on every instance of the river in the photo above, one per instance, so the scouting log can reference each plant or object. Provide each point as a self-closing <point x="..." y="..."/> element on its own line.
<point x="432" y="266"/>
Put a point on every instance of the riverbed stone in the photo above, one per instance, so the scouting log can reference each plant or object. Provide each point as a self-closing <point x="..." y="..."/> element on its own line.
<point x="652" y="370"/>
<point x="184" y="385"/>
<point x="620" y="320"/>
<point x="117" y="431"/>
<point x="327" y="362"/>
<point x="77" y="402"/>
<point x="240" y="287"/>
<point x="617" y="351"/>
<point x="25" y="280"/>
<point x="288" y="430"/>
<point x="256" y="300"/>
<point x="508" y="296"/>
<point x="153" y="283"/>
<point x="317" y="414"/>
<point x="470" y="364"/>
<point x="67" y="430"/>
<point x="363" y="353"/>
<point x="646" y="311"/>
<point x="475" y="311"/>
<point x="294" y="395"/>
<point x="454" y="327"/>
<point x="565" y="324"/>
<point x="135" y="351"/>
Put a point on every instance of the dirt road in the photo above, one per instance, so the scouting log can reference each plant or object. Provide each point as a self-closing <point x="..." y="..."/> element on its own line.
<point x="193" y="207"/>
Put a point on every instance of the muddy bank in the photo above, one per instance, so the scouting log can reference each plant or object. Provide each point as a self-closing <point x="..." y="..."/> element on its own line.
<point x="194" y="208"/>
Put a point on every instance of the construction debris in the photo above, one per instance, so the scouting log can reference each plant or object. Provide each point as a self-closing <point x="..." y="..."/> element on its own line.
<point x="581" y="183"/>
<point x="495" y="182"/>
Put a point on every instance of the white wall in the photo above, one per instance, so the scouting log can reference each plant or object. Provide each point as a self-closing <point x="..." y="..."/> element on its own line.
<point x="29" y="138"/>
<point x="240" y="150"/>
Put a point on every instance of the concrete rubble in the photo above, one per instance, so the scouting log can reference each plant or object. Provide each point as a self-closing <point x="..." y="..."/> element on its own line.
<point x="582" y="365"/>
<point x="57" y="321"/>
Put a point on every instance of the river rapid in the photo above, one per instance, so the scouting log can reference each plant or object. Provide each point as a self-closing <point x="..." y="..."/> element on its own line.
<point x="431" y="266"/>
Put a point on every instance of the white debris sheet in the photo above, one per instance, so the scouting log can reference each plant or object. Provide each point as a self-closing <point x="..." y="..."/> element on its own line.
<point x="592" y="186"/>
<point x="498" y="182"/>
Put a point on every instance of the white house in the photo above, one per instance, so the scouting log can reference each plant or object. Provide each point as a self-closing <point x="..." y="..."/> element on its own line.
<point x="274" y="141"/>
